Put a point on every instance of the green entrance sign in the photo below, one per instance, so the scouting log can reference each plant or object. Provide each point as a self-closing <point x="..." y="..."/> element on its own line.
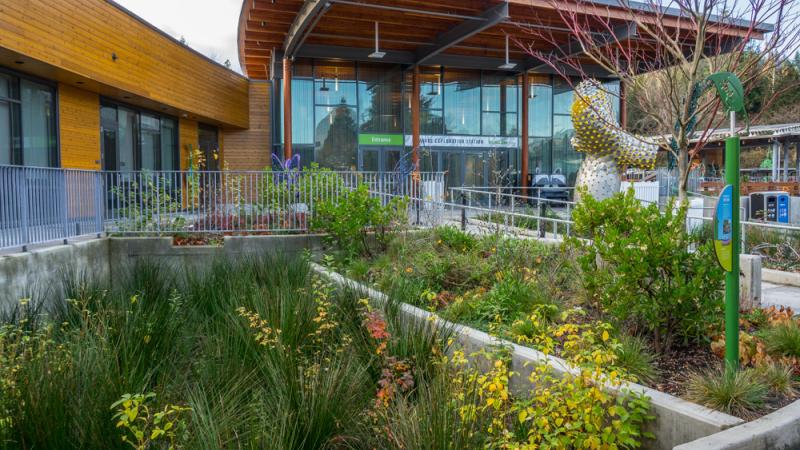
<point x="380" y="139"/>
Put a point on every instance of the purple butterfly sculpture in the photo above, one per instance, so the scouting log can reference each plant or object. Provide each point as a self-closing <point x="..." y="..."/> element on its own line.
<point x="288" y="171"/>
<point x="401" y="171"/>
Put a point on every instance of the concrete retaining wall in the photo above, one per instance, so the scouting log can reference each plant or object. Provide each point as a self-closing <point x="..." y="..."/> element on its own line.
<point x="124" y="250"/>
<point x="780" y="277"/>
<point x="777" y="431"/>
<point x="677" y="421"/>
<point x="38" y="272"/>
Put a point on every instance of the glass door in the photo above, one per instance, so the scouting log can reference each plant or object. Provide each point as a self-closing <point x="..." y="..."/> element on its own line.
<point x="208" y="140"/>
<point x="369" y="159"/>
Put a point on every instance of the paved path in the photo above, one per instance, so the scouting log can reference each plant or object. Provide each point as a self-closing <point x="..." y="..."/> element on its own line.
<point x="780" y="295"/>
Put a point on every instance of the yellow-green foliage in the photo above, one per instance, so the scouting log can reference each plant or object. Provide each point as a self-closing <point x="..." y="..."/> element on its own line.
<point x="569" y="411"/>
<point x="146" y="427"/>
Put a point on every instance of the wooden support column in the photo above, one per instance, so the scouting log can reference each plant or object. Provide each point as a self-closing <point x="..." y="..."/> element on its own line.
<point x="523" y="166"/>
<point x="287" y="108"/>
<point x="415" y="140"/>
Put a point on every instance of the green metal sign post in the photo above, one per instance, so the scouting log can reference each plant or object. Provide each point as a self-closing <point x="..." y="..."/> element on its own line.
<point x="727" y="228"/>
<point x="732" y="276"/>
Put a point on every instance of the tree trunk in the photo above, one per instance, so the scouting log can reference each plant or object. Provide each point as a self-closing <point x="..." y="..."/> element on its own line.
<point x="683" y="175"/>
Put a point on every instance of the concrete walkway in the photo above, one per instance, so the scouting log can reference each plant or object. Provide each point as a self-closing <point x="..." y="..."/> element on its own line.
<point x="780" y="295"/>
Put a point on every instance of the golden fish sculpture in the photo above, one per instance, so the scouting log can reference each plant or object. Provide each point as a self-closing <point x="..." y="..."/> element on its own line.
<point x="606" y="145"/>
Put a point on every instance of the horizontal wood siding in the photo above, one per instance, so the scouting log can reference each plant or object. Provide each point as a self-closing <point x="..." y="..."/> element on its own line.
<point x="250" y="149"/>
<point x="77" y="38"/>
<point x="79" y="127"/>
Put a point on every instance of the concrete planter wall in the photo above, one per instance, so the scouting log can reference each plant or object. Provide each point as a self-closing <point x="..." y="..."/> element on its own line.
<point x="780" y="277"/>
<point x="31" y="274"/>
<point x="38" y="272"/>
<point x="677" y="421"/>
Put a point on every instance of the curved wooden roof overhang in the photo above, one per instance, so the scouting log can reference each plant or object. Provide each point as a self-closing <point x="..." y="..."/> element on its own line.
<point x="453" y="33"/>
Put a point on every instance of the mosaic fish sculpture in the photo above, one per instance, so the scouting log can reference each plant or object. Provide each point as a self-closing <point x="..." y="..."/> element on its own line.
<point x="606" y="145"/>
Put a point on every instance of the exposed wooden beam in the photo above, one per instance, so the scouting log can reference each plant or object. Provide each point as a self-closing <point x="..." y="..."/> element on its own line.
<point x="304" y="22"/>
<point x="573" y="47"/>
<point x="464" y="30"/>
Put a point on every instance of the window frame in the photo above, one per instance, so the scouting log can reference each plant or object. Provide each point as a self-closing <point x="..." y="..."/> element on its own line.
<point x="17" y="156"/>
<point x="137" y="148"/>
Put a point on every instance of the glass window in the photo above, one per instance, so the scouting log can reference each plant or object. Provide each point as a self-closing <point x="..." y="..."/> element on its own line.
<point x="108" y="136"/>
<point x="540" y="156"/>
<point x="379" y="97"/>
<point x="126" y="139"/>
<point x="562" y="97"/>
<point x="431" y="117"/>
<point x="500" y="100"/>
<point x="8" y="104"/>
<point x="462" y="102"/>
<point x="336" y="137"/>
<point x="5" y="132"/>
<point x="540" y="109"/>
<point x="335" y="84"/>
<point x="562" y="127"/>
<point x="38" y="124"/>
<point x="151" y="141"/>
<point x="302" y="111"/>
<point x="612" y="90"/>
<point x="491" y="123"/>
<point x="137" y="140"/>
<point x="28" y="128"/>
<point x="169" y="144"/>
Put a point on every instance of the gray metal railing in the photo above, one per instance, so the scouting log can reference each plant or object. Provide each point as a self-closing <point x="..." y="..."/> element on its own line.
<point x="40" y="205"/>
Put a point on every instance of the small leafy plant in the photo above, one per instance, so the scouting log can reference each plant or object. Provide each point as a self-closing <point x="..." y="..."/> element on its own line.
<point x="145" y="427"/>
<point x="351" y="217"/>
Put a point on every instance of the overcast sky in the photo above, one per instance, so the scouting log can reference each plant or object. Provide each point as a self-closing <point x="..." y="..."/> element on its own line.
<point x="209" y="26"/>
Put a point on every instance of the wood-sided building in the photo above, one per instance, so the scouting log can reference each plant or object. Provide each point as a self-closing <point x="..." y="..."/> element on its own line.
<point x="348" y="84"/>
<point x="87" y="84"/>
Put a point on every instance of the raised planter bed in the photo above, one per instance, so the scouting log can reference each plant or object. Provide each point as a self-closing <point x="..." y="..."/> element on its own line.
<point x="780" y="277"/>
<point x="676" y="421"/>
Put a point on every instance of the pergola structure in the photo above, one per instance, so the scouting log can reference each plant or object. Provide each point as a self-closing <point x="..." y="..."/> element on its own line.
<point x="465" y="34"/>
<point x="777" y="137"/>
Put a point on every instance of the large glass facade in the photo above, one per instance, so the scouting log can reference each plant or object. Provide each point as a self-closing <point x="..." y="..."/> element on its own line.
<point x="358" y="116"/>
<point x="462" y="99"/>
<point x="133" y="139"/>
<point x="500" y="105"/>
<point x="28" y="129"/>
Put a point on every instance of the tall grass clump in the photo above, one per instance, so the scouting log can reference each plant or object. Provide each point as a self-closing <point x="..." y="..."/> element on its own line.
<point x="260" y="352"/>
<point x="738" y="392"/>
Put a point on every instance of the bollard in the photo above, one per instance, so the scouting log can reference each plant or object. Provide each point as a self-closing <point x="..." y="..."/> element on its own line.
<point x="463" y="212"/>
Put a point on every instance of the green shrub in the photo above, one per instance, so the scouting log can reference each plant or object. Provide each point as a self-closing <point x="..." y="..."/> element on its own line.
<point x="355" y="213"/>
<point x="455" y="238"/>
<point x="737" y="392"/>
<point x="782" y="339"/>
<point x="635" y="357"/>
<point x="311" y="186"/>
<point x="509" y="298"/>
<point x="641" y="270"/>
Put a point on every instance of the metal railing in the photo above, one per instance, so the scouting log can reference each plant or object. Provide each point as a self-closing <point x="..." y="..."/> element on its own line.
<point x="40" y="205"/>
